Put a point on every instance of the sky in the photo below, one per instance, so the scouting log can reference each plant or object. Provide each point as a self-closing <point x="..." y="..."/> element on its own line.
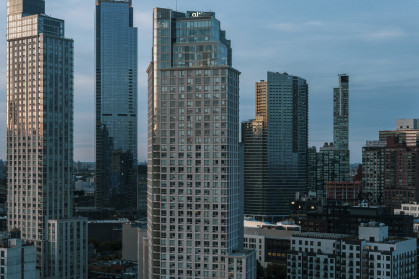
<point x="376" y="42"/>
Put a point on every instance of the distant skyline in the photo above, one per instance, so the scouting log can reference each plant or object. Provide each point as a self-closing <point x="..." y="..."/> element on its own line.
<point x="375" y="42"/>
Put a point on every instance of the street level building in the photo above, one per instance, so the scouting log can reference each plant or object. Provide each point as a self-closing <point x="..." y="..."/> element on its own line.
<point x="116" y="106"/>
<point x="271" y="242"/>
<point x="371" y="254"/>
<point x="40" y="140"/>
<point x="195" y="220"/>
<point x="275" y="147"/>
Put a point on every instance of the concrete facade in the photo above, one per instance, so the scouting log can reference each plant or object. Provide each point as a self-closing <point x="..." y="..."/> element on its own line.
<point x="17" y="260"/>
<point x="40" y="89"/>
<point x="370" y="255"/>
<point x="194" y="195"/>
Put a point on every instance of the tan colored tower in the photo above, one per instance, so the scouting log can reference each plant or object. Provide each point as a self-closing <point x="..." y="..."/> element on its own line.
<point x="40" y="140"/>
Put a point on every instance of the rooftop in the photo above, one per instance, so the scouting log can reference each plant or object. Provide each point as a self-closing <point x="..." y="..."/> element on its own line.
<point x="270" y="233"/>
<point x="333" y="236"/>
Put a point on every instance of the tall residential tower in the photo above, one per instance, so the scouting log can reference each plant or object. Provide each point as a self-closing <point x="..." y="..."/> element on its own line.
<point x="40" y="140"/>
<point x="195" y="221"/>
<point x="332" y="161"/>
<point x="116" y="105"/>
<point x="341" y="113"/>
<point x="275" y="147"/>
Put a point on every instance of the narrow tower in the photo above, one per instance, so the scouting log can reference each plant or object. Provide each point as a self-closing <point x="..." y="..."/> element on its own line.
<point x="275" y="147"/>
<point x="341" y="113"/>
<point x="116" y="106"/>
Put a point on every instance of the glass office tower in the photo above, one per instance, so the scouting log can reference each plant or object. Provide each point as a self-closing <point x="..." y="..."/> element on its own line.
<point x="40" y="140"/>
<point x="275" y="147"/>
<point x="116" y="106"/>
<point x="195" y="225"/>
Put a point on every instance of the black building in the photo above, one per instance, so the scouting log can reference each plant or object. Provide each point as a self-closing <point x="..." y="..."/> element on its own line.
<point x="344" y="219"/>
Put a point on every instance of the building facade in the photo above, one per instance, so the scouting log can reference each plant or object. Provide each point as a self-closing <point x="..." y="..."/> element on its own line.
<point x="341" y="113"/>
<point x="344" y="219"/>
<point x="116" y="106"/>
<point x="270" y="242"/>
<point x="253" y="138"/>
<point x="391" y="168"/>
<point x="332" y="166"/>
<point x="2" y="171"/>
<point x="332" y="160"/>
<point x="372" y="254"/>
<point x="142" y="190"/>
<point x="195" y="225"/>
<point x="344" y="191"/>
<point x="40" y="140"/>
<point x="276" y="146"/>
<point x="408" y="209"/>
<point x="17" y="259"/>
<point x="373" y="171"/>
<point x="406" y="124"/>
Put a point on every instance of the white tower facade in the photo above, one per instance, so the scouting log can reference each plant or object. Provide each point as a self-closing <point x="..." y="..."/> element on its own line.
<point x="195" y="218"/>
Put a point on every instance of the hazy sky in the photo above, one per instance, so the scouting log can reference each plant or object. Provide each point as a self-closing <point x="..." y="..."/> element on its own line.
<point x="376" y="42"/>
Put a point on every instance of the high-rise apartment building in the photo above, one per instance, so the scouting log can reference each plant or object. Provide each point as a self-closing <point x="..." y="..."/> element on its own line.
<point x="275" y="147"/>
<point x="333" y="158"/>
<point x="116" y="105"/>
<point x="373" y="171"/>
<point x="40" y="140"/>
<point x="195" y="225"/>
<point x="341" y="113"/>
<point x="390" y="167"/>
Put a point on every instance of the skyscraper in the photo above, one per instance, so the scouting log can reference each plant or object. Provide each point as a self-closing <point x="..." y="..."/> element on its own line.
<point x="341" y="113"/>
<point x="116" y="105"/>
<point x="333" y="158"/>
<point x="195" y="225"/>
<point x="40" y="140"/>
<point x="275" y="146"/>
<point x="255" y="165"/>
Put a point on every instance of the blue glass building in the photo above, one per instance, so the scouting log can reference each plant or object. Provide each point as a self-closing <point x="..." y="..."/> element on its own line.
<point x="116" y="106"/>
<point x="275" y="147"/>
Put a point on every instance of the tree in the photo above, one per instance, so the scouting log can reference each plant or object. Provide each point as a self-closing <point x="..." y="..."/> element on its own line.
<point x="260" y="271"/>
<point x="272" y="271"/>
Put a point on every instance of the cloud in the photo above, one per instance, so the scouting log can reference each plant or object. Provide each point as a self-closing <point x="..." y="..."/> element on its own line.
<point x="83" y="82"/>
<point x="384" y="34"/>
<point x="143" y="19"/>
<point x="292" y="27"/>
